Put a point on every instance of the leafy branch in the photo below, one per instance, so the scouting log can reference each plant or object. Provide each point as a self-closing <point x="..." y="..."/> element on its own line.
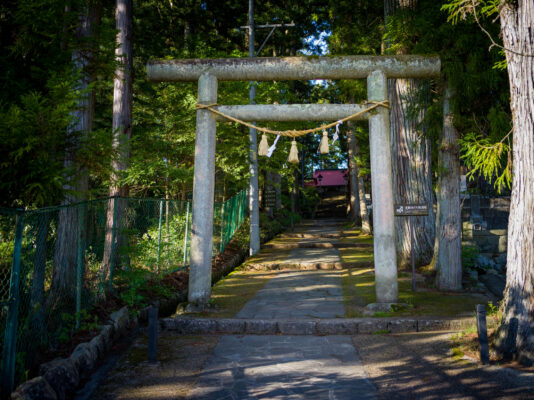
<point x="460" y="9"/>
<point x="485" y="158"/>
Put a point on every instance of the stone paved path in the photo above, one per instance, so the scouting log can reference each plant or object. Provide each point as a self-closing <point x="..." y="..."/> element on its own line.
<point x="316" y="255"/>
<point x="298" y="294"/>
<point x="284" y="367"/>
<point x="290" y="367"/>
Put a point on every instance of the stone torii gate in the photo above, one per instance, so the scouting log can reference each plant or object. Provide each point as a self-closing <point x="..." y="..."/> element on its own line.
<point x="377" y="69"/>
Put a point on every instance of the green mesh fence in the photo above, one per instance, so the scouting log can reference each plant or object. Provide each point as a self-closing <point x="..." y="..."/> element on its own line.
<point x="56" y="262"/>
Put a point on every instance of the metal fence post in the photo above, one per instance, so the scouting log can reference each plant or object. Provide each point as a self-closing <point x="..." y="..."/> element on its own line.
<point x="186" y="232"/>
<point x="9" y="351"/>
<point x="113" y="255"/>
<point x="223" y="236"/>
<point x="79" y="264"/>
<point x="159" y="234"/>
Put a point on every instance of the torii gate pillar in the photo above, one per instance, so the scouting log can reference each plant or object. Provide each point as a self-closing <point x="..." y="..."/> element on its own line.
<point x="203" y="191"/>
<point x="382" y="184"/>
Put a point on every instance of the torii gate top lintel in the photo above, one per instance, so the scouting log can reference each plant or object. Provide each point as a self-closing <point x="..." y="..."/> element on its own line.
<point x="294" y="68"/>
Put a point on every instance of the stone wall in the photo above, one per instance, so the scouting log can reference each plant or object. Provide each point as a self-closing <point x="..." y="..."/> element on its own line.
<point x="485" y="223"/>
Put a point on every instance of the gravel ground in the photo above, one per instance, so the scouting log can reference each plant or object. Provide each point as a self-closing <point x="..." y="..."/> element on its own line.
<point x="180" y="360"/>
<point x="418" y="366"/>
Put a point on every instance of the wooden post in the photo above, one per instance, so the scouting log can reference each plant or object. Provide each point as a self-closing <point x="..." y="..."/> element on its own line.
<point x="482" y="333"/>
<point x="153" y="334"/>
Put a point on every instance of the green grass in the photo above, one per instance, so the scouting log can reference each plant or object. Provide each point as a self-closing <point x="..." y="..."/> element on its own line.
<point x="359" y="290"/>
<point x="231" y="293"/>
<point x="355" y="237"/>
<point x="356" y="256"/>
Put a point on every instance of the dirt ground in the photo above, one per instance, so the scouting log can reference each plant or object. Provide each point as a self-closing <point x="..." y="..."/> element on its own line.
<point x="420" y="366"/>
<point x="180" y="359"/>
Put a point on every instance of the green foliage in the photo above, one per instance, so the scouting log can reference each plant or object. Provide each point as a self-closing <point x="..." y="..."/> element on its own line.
<point x="460" y="10"/>
<point x="33" y="137"/>
<point x="469" y="256"/>
<point x="147" y="247"/>
<point x="483" y="157"/>
<point x="67" y="327"/>
<point x="133" y="283"/>
<point x="309" y="200"/>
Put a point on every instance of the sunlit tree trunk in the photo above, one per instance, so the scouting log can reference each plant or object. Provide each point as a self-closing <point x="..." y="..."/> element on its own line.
<point x="353" y="176"/>
<point x="410" y="152"/>
<point x="121" y="134"/>
<point x="448" y="255"/>
<point x="516" y="334"/>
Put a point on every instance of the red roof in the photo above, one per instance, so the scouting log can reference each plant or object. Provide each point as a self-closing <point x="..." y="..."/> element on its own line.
<point x="330" y="177"/>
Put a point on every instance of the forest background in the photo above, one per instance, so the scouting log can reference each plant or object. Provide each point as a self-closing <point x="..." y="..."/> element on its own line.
<point x="41" y="89"/>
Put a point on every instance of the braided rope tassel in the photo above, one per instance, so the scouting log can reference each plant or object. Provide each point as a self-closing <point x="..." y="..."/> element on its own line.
<point x="323" y="147"/>
<point x="293" y="153"/>
<point x="264" y="146"/>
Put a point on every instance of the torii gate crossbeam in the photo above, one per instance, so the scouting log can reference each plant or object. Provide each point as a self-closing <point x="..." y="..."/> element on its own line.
<point x="377" y="69"/>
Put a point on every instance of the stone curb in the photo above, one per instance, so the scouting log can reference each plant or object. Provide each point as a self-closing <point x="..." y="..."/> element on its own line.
<point x="337" y="326"/>
<point x="59" y="378"/>
<point x="327" y="245"/>
<point x="307" y="266"/>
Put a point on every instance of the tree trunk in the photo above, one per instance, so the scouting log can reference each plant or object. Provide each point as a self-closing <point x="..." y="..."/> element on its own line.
<point x="516" y="333"/>
<point x="278" y="187"/>
<point x="269" y="189"/>
<point x="77" y="182"/>
<point x="353" y="176"/>
<point x="364" y="215"/>
<point x="39" y="273"/>
<point x="121" y="135"/>
<point x="448" y="257"/>
<point x="411" y="157"/>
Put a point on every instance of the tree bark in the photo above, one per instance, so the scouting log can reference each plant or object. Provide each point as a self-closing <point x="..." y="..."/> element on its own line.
<point x="269" y="188"/>
<point x="516" y="333"/>
<point x="277" y="178"/>
<point x="77" y="182"/>
<point x="39" y="273"/>
<point x="411" y="157"/>
<point x="121" y="135"/>
<point x="448" y="255"/>
<point x="353" y="176"/>
<point x="364" y="215"/>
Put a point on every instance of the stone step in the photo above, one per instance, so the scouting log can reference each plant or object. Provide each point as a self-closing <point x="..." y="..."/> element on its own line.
<point x="325" y="245"/>
<point x="322" y="222"/>
<point x="337" y="326"/>
<point x="290" y="235"/>
<point x="307" y="266"/>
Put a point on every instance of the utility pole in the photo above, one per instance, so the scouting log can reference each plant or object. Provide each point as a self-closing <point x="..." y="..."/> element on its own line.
<point x="253" y="200"/>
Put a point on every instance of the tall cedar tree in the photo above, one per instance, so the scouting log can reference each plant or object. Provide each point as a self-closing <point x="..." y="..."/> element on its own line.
<point x="410" y="151"/>
<point x="121" y="135"/>
<point x="516" y="336"/>
<point x="76" y="181"/>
